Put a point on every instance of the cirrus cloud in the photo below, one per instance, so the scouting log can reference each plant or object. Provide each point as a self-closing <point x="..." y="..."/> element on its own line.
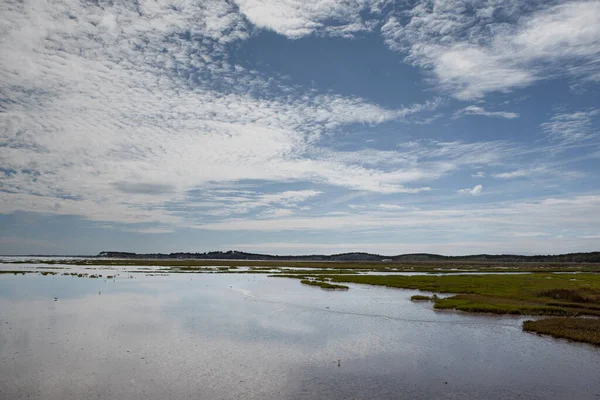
<point x="476" y="47"/>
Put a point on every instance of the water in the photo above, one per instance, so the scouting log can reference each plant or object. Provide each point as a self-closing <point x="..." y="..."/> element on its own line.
<point x="247" y="336"/>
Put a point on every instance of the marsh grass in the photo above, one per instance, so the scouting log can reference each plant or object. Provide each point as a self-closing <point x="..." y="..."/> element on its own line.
<point x="579" y="295"/>
<point x="577" y="329"/>
<point x="529" y="294"/>
<point x="557" y="295"/>
<point x="420" y="297"/>
<point x="497" y="305"/>
<point x="412" y="266"/>
<point x="320" y="272"/>
<point x="323" y="285"/>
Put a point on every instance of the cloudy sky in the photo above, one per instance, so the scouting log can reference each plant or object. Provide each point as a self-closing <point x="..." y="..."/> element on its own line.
<point x="297" y="126"/>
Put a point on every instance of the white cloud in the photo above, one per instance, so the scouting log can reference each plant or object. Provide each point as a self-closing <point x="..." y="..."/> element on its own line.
<point x="294" y="19"/>
<point x="277" y="213"/>
<point x="230" y="202"/>
<point x="519" y="173"/>
<point x="590" y="237"/>
<point x="96" y="209"/>
<point x="475" y="191"/>
<point x="501" y="45"/>
<point x="571" y="127"/>
<point x="555" y="170"/>
<point x="381" y="206"/>
<point x="123" y="113"/>
<point x="390" y="207"/>
<point x="112" y="112"/>
<point x="476" y="110"/>
<point x="530" y="234"/>
<point x="574" y="213"/>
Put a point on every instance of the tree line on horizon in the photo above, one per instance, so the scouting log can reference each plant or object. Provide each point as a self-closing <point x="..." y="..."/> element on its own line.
<point x="591" y="257"/>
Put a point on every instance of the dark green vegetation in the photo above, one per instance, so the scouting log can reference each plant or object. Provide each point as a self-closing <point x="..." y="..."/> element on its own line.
<point x="420" y="297"/>
<point x="358" y="257"/>
<point x="577" y="329"/>
<point x="528" y="294"/>
<point x="323" y="285"/>
<point x="190" y="265"/>
<point x="565" y="295"/>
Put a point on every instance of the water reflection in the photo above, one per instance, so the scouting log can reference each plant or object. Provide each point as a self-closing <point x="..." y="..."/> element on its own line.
<point x="232" y="336"/>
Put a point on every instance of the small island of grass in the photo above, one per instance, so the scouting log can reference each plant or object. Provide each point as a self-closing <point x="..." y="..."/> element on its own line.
<point x="324" y="285"/>
<point x="420" y="297"/>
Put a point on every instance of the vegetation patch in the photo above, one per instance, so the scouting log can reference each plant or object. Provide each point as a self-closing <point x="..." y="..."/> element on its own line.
<point x="413" y="265"/>
<point x="577" y="329"/>
<point x="420" y="297"/>
<point x="528" y="294"/>
<point x="321" y="272"/>
<point x="323" y="285"/>
<point x="497" y="305"/>
<point x="579" y="295"/>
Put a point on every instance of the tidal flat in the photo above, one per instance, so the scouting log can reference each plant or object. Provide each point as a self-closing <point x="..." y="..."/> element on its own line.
<point x="240" y="334"/>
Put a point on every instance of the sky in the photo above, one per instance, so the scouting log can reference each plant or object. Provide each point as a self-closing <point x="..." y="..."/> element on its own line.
<point x="299" y="127"/>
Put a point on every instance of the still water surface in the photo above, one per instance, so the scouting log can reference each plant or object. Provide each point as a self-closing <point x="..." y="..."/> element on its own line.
<point x="248" y="336"/>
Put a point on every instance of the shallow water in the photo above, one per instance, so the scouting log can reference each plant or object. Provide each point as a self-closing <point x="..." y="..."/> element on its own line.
<point x="247" y="336"/>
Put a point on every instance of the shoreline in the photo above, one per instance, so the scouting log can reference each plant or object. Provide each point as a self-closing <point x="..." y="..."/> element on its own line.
<point x="563" y="294"/>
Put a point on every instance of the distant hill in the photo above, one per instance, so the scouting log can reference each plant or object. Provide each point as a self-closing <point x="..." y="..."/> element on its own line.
<point x="593" y="257"/>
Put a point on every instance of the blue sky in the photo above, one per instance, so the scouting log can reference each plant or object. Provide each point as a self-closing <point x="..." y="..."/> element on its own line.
<point x="295" y="127"/>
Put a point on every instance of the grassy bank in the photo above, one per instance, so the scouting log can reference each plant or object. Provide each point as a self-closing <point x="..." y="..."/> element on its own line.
<point x="558" y="295"/>
<point x="530" y="294"/>
<point x="420" y="297"/>
<point x="578" y="329"/>
<point x="323" y="285"/>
